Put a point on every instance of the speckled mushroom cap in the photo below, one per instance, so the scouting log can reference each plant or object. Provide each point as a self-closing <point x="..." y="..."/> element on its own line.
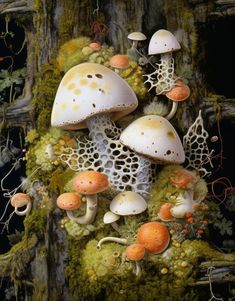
<point x="68" y="201"/>
<point x="153" y="136"/>
<point x="20" y="199"/>
<point x="128" y="203"/>
<point x="89" y="89"/>
<point x="163" y="41"/>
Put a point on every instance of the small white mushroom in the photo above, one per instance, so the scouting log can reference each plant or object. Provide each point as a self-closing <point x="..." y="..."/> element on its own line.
<point x="111" y="218"/>
<point x="184" y="204"/>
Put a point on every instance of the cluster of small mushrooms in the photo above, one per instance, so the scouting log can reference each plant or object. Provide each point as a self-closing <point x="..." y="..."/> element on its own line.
<point x="93" y="96"/>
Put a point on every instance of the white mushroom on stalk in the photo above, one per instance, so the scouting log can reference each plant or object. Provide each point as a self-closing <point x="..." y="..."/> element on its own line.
<point x="163" y="42"/>
<point x="93" y="96"/>
<point x="124" y="204"/>
<point x="135" y="37"/>
<point x="184" y="204"/>
<point x="111" y="218"/>
<point x="155" y="140"/>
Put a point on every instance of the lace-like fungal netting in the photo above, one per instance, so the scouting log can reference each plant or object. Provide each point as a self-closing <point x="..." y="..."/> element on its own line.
<point x="104" y="152"/>
<point x="196" y="150"/>
<point x="163" y="77"/>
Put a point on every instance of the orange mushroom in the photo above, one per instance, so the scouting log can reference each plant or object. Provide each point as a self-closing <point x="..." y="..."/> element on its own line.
<point x="135" y="252"/>
<point x="154" y="236"/>
<point x="119" y="61"/>
<point x="20" y="200"/>
<point x="179" y="92"/>
<point x="95" y="46"/>
<point x="90" y="183"/>
<point x="164" y="213"/>
<point x="182" y="178"/>
<point x="69" y="201"/>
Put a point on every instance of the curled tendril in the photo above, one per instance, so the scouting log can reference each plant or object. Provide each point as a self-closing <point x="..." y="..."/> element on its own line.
<point x="226" y="189"/>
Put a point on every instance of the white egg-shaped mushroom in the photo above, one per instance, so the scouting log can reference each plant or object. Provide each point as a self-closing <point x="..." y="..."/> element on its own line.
<point x="153" y="136"/>
<point x="128" y="203"/>
<point x="111" y="218"/>
<point x="89" y="89"/>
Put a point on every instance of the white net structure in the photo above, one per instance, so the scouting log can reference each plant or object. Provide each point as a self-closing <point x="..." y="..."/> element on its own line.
<point x="162" y="79"/>
<point x="195" y="146"/>
<point x="103" y="152"/>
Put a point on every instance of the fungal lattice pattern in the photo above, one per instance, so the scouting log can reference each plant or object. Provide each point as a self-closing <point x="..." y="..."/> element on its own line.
<point x="196" y="150"/>
<point x="162" y="79"/>
<point x="104" y="153"/>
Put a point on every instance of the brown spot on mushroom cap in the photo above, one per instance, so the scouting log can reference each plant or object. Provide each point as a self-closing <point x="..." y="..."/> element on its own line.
<point x="179" y="92"/>
<point x="20" y="199"/>
<point x="119" y="61"/>
<point x="90" y="182"/>
<point x="154" y="236"/>
<point x="68" y="201"/>
<point x="135" y="252"/>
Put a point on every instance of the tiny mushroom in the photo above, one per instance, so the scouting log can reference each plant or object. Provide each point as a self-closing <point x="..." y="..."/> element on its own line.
<point x="89" y="183"/>
<point x="164" y="213"/>
<point x="111" y="218"/>
<point x="155" y="140"/>
<point x="183" y="178"/>
<point x="135" y="37"/>
<point x="20" y="200"/>
<point x="179" y="92"/>
<point x="119" y="61"/>
<point x="154" y="236"/>
<point x="135" y="252"/>
<point x="69" y="201"/>
<point x="95" y="46"/>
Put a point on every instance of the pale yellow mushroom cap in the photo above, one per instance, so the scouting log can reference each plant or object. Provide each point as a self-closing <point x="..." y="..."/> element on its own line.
<point x="128" y="203"/>
<point x="153" y="136"/>
<point x="90" y="89"/>
<point x="163" y="41"/>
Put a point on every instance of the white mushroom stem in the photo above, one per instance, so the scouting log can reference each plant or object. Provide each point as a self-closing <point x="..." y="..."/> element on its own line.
<point x="144" y="176"/>
<point x="98" y="126"/>
<point x="115" y="227"/>
<point x="91" y="208"/>
<point x="24" y="212"/>
<point x="173" y="110"/>
<point x="122" y="241"/>
<point x="138" y="269"/>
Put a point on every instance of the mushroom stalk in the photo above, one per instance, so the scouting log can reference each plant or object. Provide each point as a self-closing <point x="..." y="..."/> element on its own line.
<point x="99" y="126"/>
<point x="138" y="269"/>
<point x="115" y="227"/>
<point x="91" y="208"/>
<point x="24" y="212"/>
<point x="173" y="110"/>
<point x="122" y="241"/>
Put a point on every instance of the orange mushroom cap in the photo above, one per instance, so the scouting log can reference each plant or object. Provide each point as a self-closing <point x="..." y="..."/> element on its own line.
<point x="135" y="252"/>
<point x="182" y="178"/>
<point x="119" y="61"/>
<point x="95" y="46"/>
<point x="69" y="201"/>
<point x="90" y="182"/>
<point x="165" y="213"/>
<point x="179" y="92"/>
<point x="154" y="236"/>
<point x="20" y="199"/>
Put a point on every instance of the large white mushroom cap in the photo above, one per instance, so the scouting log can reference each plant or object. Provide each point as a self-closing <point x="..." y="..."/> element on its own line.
<point x="153" y="136"/>
<point x="89" y="89"/>
<point x="163" y="41"/>
<point x="128" y="203"/>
